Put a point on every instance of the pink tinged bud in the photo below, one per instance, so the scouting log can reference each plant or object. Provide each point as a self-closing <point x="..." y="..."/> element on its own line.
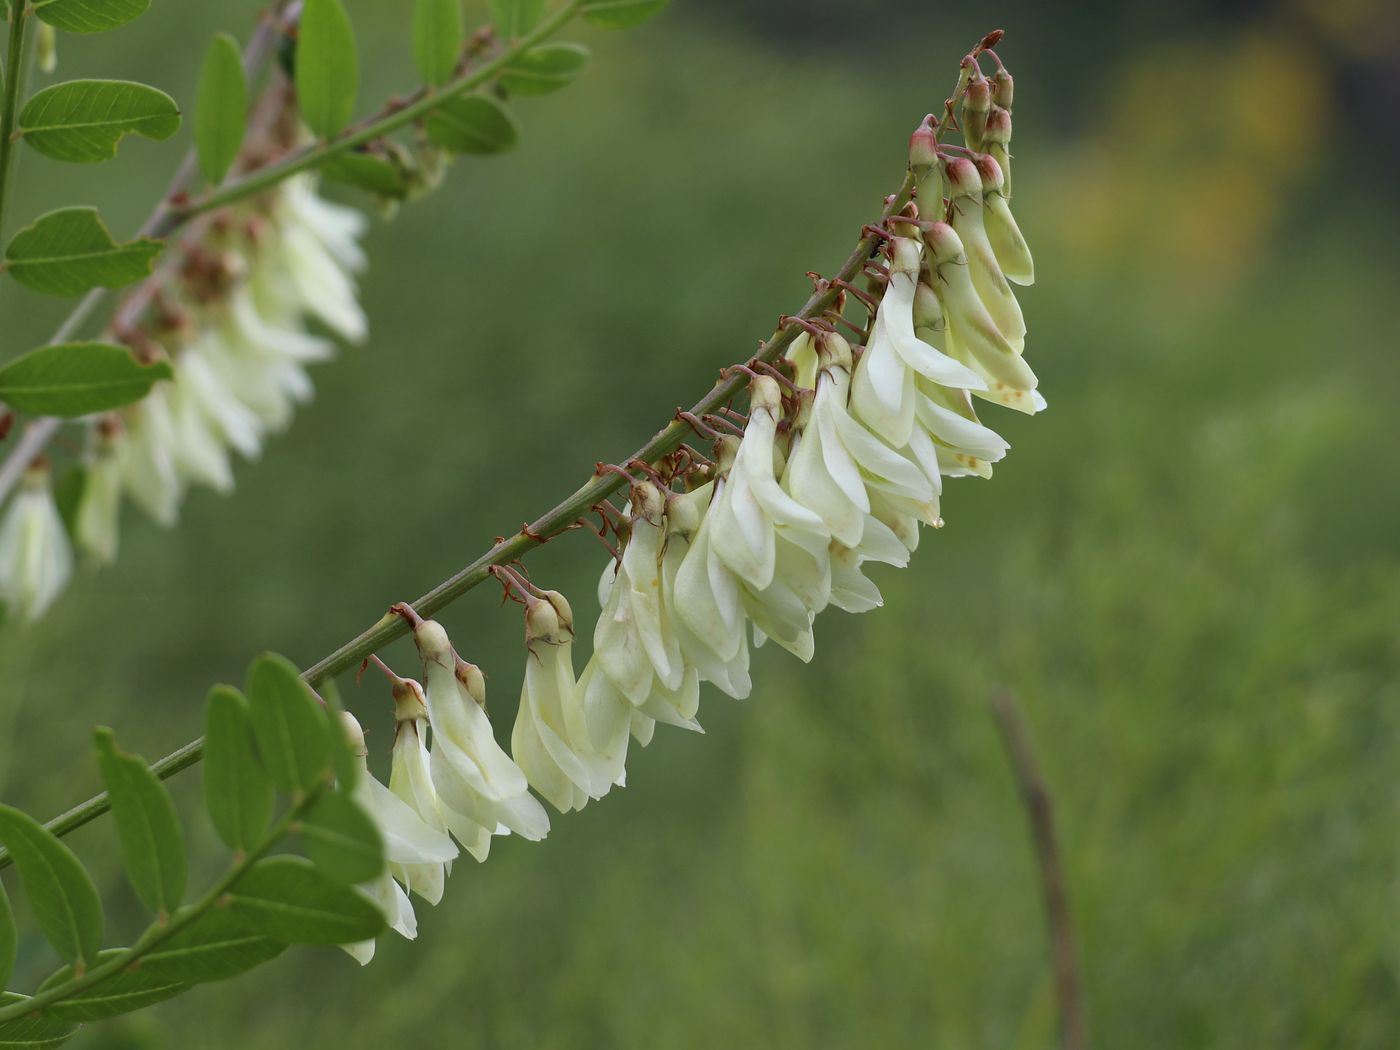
<point x="964" y="180"/>
<point x="923" y="148"/>
<point x="976" y="103"/>
<point x="967" y="218"/>
<point x="1003" y="88"/>
<point x="998" y="141"/>
<point x="929" y="191"/>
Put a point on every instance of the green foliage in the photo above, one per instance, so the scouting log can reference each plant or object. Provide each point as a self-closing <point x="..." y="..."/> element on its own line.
<point x="515" y="18"/>
<point x="60" y="891"/>
<point x="475" y="124"/>
<point x="221" y="108"/>
<point x="214" y="946"/>
<point x="545" y="69"/>
<point x="237" y="791"/>
<point x="344" y="760"/>
<point x="340" y="839"/>
<point x="68" y="251"/>
<point x="9" y="939"/>
<point x="367" y="170"/>
<point x="75" y="379"/>
<point x="289" y="899"/>
<point x="437" y="39"/>
<point x="327" y="67"/>
<point x="37" y="1031"/>
<point x="81" y="121"/>
<point x="153" y="845"/>
<point x="128" y="989"/>
<point x="89" y="16"/>
<point x="289" y="724"/>
<point x="621" y="14"/>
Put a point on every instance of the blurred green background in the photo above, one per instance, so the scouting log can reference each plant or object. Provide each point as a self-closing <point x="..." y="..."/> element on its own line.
<point x="1187" y="570"/>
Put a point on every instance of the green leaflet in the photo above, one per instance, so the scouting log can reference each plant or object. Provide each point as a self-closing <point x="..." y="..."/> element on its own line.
<point x="89" y="16"/>
<point x="327" y="68"/>
<point x="121" y="993"/>
<point x="212" y="947"/>
<point x="437" y="39"/>
<point x="221" y="108"/>
<point x="9" y="942"/>
<point x="75" y="379"/>
<point x="516" y="17"/>
<point x="544" y="69"/>
<point x="621" y="14"/>
<point x="60" y="891"/>
<point x="340" y="838"/>
<point x="289" y="724"/>
<point x="33" y="1032"/>
<point x="288" y="899"/>
<point x="472" y="124"/>
<point x="82" y="121"/>
<point x="153" y="846"/>
<point x="237" y="791"/>
<point x="69" y="251"/>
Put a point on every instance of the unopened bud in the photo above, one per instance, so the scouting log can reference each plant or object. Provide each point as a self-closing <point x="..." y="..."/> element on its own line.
<point x="765" y="396"/>
<point x="929" y="193"/>
<point x="354" y="734"/>
<point x="928" y="311"/>
<point x="990" y="170"/>
<point x="998" y="144"/>
<point x="563" y="611"/>
<point x="683" y="512"/>
<point x="541" y="622"/>
<point x="472" y="680"/>
<point x="432" y="641"/>
<point x="647" y="502"/>
<point x="409" y="702"/>
<point x="904" y="255"/>
<point x="964" y="180"/>
<point x="945" y="244"/>
<point x="1003" y="87"/>
<point x="977" y="101"/>
<point x="923" y="148"/>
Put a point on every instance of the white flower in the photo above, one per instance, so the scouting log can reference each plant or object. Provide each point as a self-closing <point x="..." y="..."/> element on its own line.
<point x="320" y="281"/>
<point x="36" y="560"/>
<point x="551" y="739"/>
<point x="410" y="778"/>
<point x="200" y="453"/>
<point x="973" y="336"/>
<point x="337" y="227"/>
<point x="96" y="526"/>
<point x="1012" y="253"/>
<point x="149" y="473"/>
<point x="968" y="219"/>
<point x="407" y="841"/>
<point x="882" y="389"/>
<point x="480" y="789"/>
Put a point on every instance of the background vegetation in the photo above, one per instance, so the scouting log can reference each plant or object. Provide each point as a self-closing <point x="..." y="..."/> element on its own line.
<point x="1188" y="569"/>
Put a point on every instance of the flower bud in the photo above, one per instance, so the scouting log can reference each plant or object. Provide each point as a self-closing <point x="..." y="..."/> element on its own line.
<point x="472" y="680"/>
<point x="990" y="171"/>
<point x="928" y="311"/>
<point x="563" y="611"/>
<point x="541" y="622"/>
<point x="998" y="142"/>
<point x="765" y="396"/>
<point x="409" y="702"/>
<point x="944" y="243"/>
<point x="433" y="644"/>
<point x="904" y="255"/>
<point x="647" y="502"/>
<point x="833" y="351"/>
<point x="354" y="734"/>
<point x="1003" y="87"/>
<point x="964" y="180"/>
<point x="929" y="193"/>
<point x="977" y="101"/>
<point x="923" y="148"/>
<point x="726" y="449"/>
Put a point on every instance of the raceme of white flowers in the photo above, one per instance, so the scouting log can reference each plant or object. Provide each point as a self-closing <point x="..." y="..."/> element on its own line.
<point x="834" y="469"/>
<point x="238" y="345"/>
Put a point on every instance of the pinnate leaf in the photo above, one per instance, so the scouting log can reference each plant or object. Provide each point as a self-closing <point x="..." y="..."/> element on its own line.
<point x="472" y="124"/>
<point x="61" y="894"/>
<point x="516" y="17"/>
<point x="327" y="68"/>
<point x="546" y="68"/>
<point x="214" y="946"/>
<point x="437" y="39"/>
<point x="342" y="840"/>
<point x="69" y="251"/>
<point x="83" y="120"/>
<point x="621" y="14"/>
<point x="153" y="847"/>
<point x="237" y="790"/>
<point x="221" y="108"/>
<point x="126" y="990"/>
<point x="288" y="899"/>
<point x="75" y="379"/>
<point x="89" y="16"/>
<point x="289" y="724"/>
<point x="37" y="1031"/>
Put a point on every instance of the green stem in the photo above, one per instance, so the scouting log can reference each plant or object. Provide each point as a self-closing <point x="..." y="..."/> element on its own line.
<point x="667" y="440"/>
<point x="391" y="119"/>
<point x="158" y="933"/>
<point x="14" y="76"/>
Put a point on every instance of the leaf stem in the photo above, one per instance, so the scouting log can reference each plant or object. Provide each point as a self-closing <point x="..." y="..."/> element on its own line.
<point x="389" y="627"/>
<point x="14" y="76"/>
<point x="160" y="932"/>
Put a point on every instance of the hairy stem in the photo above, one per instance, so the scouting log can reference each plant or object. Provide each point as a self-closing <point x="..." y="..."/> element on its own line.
<point x="1040" y="811"/>
<point x="390" y="627"/>
<point x="160" y="932"/>
<point x="14" y="76"/>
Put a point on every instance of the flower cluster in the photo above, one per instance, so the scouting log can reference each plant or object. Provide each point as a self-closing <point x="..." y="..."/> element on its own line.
<point x="235" y="331"/>
<point x="839" y="461"/>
